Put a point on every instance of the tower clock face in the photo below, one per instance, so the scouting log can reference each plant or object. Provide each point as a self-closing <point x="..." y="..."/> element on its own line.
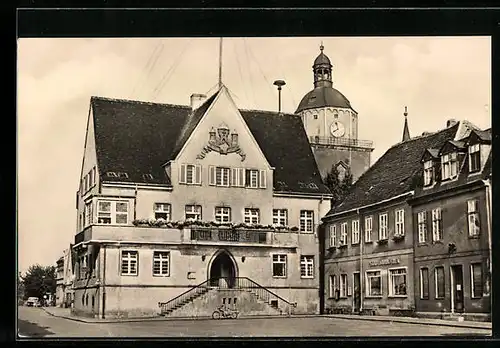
<point x="337" y="129"/>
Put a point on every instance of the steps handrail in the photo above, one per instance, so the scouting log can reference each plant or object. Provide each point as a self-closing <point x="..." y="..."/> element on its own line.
<point x="164" y="304"/>
<point x="269" y="291"/>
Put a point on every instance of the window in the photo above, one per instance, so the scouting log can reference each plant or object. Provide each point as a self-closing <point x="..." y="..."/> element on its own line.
<point x="343" y="285"/>
<point x="88" y="214"/>
<point x="422" y="226"/>
<point x="121" y="212"/>
<point x="437" y="230"/>
<point x="397" y="282"/>
<point x="476" y="277"/>
<point x="333" y="285"/>
<point x="306" y="266"/>
<point x="112" y="212"/>
<point x="280" y="217"/>
<point x="368" y="229"/>
<point x="161" y="263"/>
<point x="129" y="262"/>
<point x="449" y="165"/>
<point x="428" y="172"/>
<point x="222" y="214"/>
<point x="279" y="266"/>
<point x="473" y="218"/>
<point x="123" y="175"/>
<point x="343" y="233"/>
<point x="91" y="178"/>
<point x="252" y="178"/>
<point x="333" y="235"/>
<point x="355" y="232"/>
<point x="382" y="226"/>
<point x="162" y="211"/>
<point x="439" y="281"/>
<point x="373" y="283"/>
<point x="147" y="176"/>
<point x="221" y="176"/>
<point x="400" y="223"/>
<point x="190" y="174"/>
<point x="252" y="216"/>
<point x="306" y="220"/>
<point x="111" y="174"/>
<point x="474" y="158"/>
<point x="424" y="283"/>
<point x="193" y="212"/>
<point x="103" y="212"/>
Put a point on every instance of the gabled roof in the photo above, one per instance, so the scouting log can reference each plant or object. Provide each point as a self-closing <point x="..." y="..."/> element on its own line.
<point x="433" y="152"/>
<point x="137" y="138"/>
<point x="483" y="135"/>
<point x="395" y="173"/>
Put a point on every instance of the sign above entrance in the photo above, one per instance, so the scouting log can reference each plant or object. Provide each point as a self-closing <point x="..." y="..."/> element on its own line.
<point x="220" y="142"/>
<point x="384" y="262"/>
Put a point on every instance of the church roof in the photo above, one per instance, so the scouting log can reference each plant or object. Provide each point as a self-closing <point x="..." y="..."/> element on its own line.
<point x="322" y="59"/>
<point x="323" y="97"/>
<point x="138" y="138"/>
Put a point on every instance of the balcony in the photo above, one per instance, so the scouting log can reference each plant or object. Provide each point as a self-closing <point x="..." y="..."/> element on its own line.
<point x="362" y="144"/>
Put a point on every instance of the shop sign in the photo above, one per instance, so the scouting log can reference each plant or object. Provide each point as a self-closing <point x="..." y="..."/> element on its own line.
<point x="384" y="262"/>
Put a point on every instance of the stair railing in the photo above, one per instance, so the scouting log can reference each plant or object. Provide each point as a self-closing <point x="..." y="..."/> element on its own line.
<point x="199" y="289"/>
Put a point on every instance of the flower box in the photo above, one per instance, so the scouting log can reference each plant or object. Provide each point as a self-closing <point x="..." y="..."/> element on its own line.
<point x="398" y="237"/>
<point x="382" y="241"/>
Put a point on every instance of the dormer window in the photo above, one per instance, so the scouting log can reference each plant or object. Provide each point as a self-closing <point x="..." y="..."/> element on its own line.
<point x="111" y="174"/>
<point x="474" y="158"/>
<point x="428" y="172"/>
<point x="449" y="165"/>
<point x="123" y="175"/>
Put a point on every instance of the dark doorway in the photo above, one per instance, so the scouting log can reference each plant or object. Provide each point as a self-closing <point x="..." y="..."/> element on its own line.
<point x="356" y="292"/>
<point x="222" y="271"/>
<point x="457" y="282"/>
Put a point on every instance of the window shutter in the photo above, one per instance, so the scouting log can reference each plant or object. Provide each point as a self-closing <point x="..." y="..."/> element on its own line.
<point x="211" y="175"/>
<point x="262" y="180"/>
<point x="198" y="174"/>
<point x="234" y="177"/>
<point x="241" y="177"/>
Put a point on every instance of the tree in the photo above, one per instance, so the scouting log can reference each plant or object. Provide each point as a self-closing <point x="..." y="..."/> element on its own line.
<point x="346" y="183"/>
<point x="39" y="280"/>
<point x="332" y="181"/>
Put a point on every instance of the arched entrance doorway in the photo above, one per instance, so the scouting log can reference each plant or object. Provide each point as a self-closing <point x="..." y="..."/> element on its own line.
<point x="222" y="271"/>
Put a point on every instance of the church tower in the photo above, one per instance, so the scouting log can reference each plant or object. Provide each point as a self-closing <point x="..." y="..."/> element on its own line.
<point x="331" y="124"/>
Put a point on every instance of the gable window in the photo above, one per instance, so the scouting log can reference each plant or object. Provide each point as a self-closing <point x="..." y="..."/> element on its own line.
<point x="428" y="172"/>
<point x="222" y="214"/>
<point x="473" y="217"/>
<point x="333" y="235"/>
<point x="439" y="281"/>
<point x="333" y="285"/>
<point x="382" y="226"/>
<point x="279" y="266"/>
<point x="476" y="278"/>
<point x="424" y="283"/>
<point x="252" y="178"/>
<point x="422" y="226"/>
<point x="343" y="285"/>
<point x="306" y="266"/>
<point x="112" y="212"/>
<point x="437" y="226"/>
<point x="163" y="211"/>
<point x="397" y="282"/>
<point x="306" y="220"/>
<point x="193" y="212"/>
<point x="221" y="176"/>
<point x="280" y="217"/>
<point x="449" y="165"/>
<point x="252" y="216"/>
<point x="355" y="232"/>
<point x="343" y="233"/>
<point x="190" y="174"/>
<point x="161" y="263"/>
<point x="368" y="229"/>
<point x="88" y="214"/>
<point x="400" y="222"/>
<point x="373" y="283"/>
<point x="129" y="262"/>
<point x="474" y="158"/>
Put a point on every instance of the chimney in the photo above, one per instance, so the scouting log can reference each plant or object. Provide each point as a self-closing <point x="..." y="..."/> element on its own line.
<point x="197" y="99"/>
<point x="451" y="122"/>
<point x="279" y="84"/>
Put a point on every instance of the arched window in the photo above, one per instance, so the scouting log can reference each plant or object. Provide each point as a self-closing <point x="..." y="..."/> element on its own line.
<point x="87" y="300"/>
<point x="93" y="301"/>
<point x="83" y="300"/>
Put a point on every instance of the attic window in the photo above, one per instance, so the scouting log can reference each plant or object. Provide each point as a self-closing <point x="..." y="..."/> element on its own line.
<point x="148" y="176"/>
<point x="111" y="174"/>
<point x="123" y="175"/>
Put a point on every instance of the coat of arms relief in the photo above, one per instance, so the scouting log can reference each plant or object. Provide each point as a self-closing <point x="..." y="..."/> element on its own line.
<point x="223" y="142"/>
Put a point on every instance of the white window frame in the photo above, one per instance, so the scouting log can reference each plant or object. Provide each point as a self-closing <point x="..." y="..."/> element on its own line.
<point x="355" y="231"/>
<point x="112" y="212"/>
<point x="428" y="172"/>
<point x="252" y="216"/>
<point x="280" y="217"/>
<point x="222" y="176"/>
<point x="307" y="264"/>
<point x="473" y="213"/>
<point x="333" y="235"/>
<point x="163" y="208"/>
<point x="449" y="165"/>
<point x="476" y="151"/>
<point x="369" y="274"/>
<point x="253" y="178"/>
<point x="368" y="229"/>
<point x="472" y="289"/>
<point x="436" y="296"/>
<point x="332" y="285"/>
<point x="343" y="234"/>
<point x="391" y="274"/>
<point x="281" y="259"/>
<point x="437" y="225"/>
<point x="88" y="214"/>
<point x="306" y="221"/>
<point x="382" y="227"/>
<point x="129" y="258"/>
<point x="192" y="212"/>
<point x="421" y="277"/>
<point x="161" y="260"/>
<point x="222" y="214"/>
<point x="190" y="174"/>
<point x="344" y="285"/>
<point x="399" y="222"/>
<point x="422" y="226"/>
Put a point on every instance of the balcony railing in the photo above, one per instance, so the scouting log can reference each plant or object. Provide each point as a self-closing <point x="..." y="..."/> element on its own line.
<point x="368" y="144"/>
<point x="228" y="235"/>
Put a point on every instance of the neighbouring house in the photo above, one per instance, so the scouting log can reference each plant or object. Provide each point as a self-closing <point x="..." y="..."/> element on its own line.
<point x="60" y="298"/>
<point x="64" y="279"/>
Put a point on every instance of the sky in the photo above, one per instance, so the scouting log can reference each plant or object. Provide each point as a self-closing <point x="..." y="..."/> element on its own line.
<point x="437" y="78"/>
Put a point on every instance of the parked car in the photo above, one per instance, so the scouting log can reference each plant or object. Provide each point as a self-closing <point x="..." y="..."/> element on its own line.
<point x="33" y="302"/>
